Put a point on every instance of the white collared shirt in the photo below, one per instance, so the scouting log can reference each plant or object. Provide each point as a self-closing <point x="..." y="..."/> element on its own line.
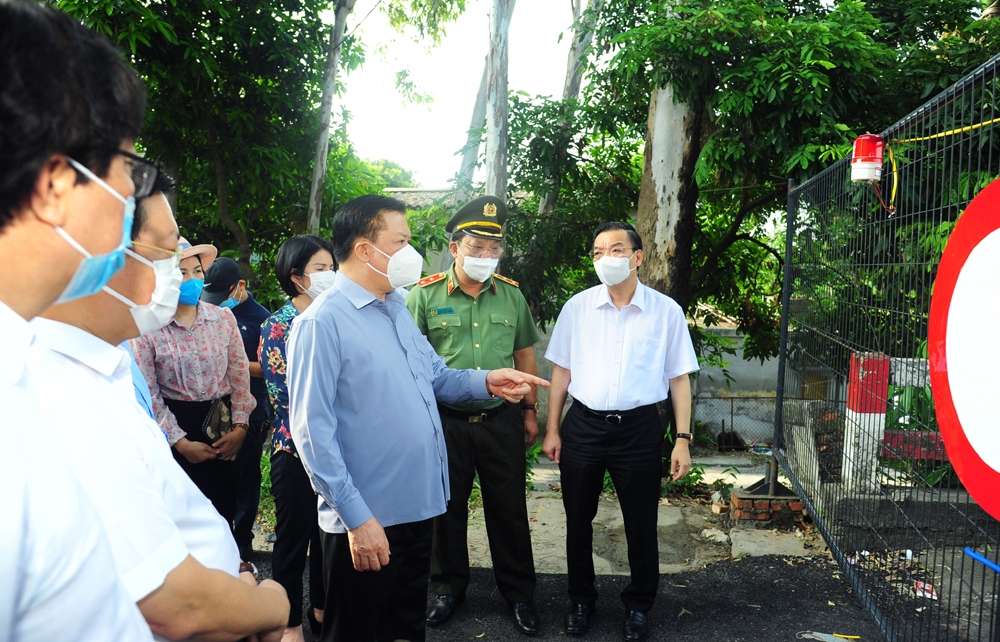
<point x="621" y="359"/>
<point x="57" y="574"/>
<point x="153" y="513"/>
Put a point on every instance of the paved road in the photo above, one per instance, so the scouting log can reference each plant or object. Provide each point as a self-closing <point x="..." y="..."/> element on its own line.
<point x="762" y="598"/>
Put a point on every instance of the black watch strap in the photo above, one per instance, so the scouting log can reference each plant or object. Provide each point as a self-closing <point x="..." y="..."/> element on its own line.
<point x="684" y="435"/>
<point x="528" y="406"/>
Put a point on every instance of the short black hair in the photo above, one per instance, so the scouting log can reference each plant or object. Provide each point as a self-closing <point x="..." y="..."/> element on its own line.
<point x="361" y="218"/>
<point x="609" y="226"/>
<point x="164" y="185"/>
<point x="64" y="89"/>
<point x="293" y="257"/>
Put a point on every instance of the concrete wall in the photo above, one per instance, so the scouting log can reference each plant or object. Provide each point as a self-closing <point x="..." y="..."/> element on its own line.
<point x="750" y="376"/>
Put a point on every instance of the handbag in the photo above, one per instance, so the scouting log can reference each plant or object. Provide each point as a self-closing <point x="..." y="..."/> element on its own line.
<point x="218" y="422"/>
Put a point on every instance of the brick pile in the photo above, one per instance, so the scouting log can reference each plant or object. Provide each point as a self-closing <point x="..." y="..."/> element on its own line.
<point x="786" y="511"/>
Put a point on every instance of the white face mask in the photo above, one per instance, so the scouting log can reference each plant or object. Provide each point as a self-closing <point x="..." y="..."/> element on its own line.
<point x="613" y="270"/>
<point x="478" y="269"/>
<point x="319" y="282"/>
<point x="163" y="303"/>
<point x="404" y="266"/>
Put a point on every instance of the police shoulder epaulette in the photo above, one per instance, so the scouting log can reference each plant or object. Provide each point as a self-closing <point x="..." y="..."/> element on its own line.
<point x="434" y="278"/>
<point x="506" y="280"/>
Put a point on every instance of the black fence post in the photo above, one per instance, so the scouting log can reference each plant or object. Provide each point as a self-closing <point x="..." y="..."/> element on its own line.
<point x="786" y="297"/>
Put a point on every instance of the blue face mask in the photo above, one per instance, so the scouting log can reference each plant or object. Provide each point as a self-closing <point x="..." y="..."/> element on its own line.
<point x="232" y="301"/>
<point x="191" y="291"/>
<point x="95" y="271"/>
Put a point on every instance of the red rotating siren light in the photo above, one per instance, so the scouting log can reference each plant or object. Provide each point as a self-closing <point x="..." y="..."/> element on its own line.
<point x="866" y="163"/>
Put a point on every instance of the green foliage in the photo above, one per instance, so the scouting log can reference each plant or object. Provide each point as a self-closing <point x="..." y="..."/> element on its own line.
<point x="724" y="485"/>
<point x="562" y="145"/>
<point x="427" y="17"/>
<point x="266" y="512"/>
<point x="531" y="455"/>
<point x="910" y="408"/>
<point x="783" y="86"/>
<point x="392" y="173"/>
<point x="691" y="484"/>
<point x="608" y="486"/>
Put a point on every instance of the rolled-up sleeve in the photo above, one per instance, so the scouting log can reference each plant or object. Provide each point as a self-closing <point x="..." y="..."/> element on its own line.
<point x="314" y="366"/>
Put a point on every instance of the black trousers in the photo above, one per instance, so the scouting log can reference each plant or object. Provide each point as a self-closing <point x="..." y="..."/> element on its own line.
<point x="631" y="452"/>
<point x="495" y="449"/>
<point x="378" y="606"/>
<point x="215" y="478"/>
<point x="248" y="485"/>
<point x="296" y="533"/>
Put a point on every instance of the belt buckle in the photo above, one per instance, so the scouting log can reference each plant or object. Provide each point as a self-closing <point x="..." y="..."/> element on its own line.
<point x="477" y="419"/>
<point x="613" y="419"/>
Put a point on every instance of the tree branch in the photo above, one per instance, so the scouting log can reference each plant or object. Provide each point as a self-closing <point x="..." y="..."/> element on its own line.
<point x="732" y="233"/>
<point x="775" y="253"/>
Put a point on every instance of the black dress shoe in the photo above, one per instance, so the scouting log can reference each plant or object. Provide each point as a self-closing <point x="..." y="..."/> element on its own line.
<point x="525" y="618"/>
<point x="442" y="608"/>
<point x="578" y="619"/>
<point x="636" y="626"/>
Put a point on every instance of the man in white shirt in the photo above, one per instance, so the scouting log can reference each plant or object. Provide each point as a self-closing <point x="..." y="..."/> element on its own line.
<point x="66" y="101"/>
<point x="618" y="349"/>
<point x="174" y="551"/>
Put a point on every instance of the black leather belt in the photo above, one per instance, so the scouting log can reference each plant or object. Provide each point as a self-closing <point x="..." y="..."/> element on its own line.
<point x="615" y="416"/>
<point x="472" y="418"/>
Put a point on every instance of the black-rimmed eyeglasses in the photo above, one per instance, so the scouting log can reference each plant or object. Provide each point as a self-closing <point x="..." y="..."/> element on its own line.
<point x="144" y="174"/>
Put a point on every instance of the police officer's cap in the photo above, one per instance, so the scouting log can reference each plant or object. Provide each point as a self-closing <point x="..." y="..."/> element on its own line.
<point x="483" y="217"/>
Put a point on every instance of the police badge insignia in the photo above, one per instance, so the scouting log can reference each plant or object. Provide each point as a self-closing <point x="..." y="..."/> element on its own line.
<point x="490" y="210"/>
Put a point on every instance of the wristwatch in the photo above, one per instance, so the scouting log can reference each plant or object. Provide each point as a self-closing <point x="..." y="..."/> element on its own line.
<point x="528" y="406"/>
<point x="684" y="435"/>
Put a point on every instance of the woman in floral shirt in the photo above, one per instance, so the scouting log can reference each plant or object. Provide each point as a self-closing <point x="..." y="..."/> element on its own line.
<point x="304" y="269"/>
<point x="190" y="363"/>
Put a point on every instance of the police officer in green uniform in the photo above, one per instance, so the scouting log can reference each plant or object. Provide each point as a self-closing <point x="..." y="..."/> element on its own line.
<point x="475" y="318"/>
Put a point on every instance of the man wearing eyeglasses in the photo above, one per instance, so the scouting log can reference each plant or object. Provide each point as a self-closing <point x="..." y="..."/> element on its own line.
<point x="174" y="551"/>
<point x="619" y="348"/>
<point x="478" y="319"/>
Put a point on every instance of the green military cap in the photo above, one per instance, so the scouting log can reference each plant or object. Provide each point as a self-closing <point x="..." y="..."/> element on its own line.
<point x="483" y="217"/>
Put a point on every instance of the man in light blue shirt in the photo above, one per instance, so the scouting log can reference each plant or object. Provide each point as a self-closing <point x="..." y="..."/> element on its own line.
<point x="363" y="387"/>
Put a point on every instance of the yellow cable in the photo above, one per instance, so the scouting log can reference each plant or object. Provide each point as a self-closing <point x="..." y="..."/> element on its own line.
<point x="950" y="132"/>
<point x="895" y="179"/>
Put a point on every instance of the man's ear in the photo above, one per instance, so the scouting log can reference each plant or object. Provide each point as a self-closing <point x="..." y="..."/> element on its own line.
<point x="453" y="246"/>
<point x="53" y="187"/>
<point x="361" y="250"/>
<point x="638" y="258"/>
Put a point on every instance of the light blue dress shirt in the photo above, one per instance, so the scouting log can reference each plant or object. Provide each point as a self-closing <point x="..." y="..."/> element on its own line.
<point x="362" y="385"/>
<point x="139" y="384"/>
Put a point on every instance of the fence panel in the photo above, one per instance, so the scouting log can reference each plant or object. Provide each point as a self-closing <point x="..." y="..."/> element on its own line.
<point x="854" y="418"/>
<point x="748" y="419"/>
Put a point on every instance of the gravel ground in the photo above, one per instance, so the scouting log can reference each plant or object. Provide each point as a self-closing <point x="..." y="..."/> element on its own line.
<point x="756" y="598"/>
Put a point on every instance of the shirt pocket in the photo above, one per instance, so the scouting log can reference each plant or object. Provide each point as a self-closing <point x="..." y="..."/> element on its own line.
<point x="443" y="333"/>
<point x="649" y="354"/>
<point x="503" y="328"/>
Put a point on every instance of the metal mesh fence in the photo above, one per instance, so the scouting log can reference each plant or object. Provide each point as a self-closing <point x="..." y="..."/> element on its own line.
<point x="742" y="421"/>
<point x="874" y="474"/>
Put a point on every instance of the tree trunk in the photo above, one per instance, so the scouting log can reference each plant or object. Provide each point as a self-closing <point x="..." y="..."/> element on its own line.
<point x="583" y="33"/>
<point x="497" y="102"/>
<point x="668" y="194"/>
<point x="344" y="7"/>
<point x="472" y="143"/>
<point x="222" y="195"/>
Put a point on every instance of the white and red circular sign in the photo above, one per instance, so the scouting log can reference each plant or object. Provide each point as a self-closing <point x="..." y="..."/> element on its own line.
<point x="964" y="356"/>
